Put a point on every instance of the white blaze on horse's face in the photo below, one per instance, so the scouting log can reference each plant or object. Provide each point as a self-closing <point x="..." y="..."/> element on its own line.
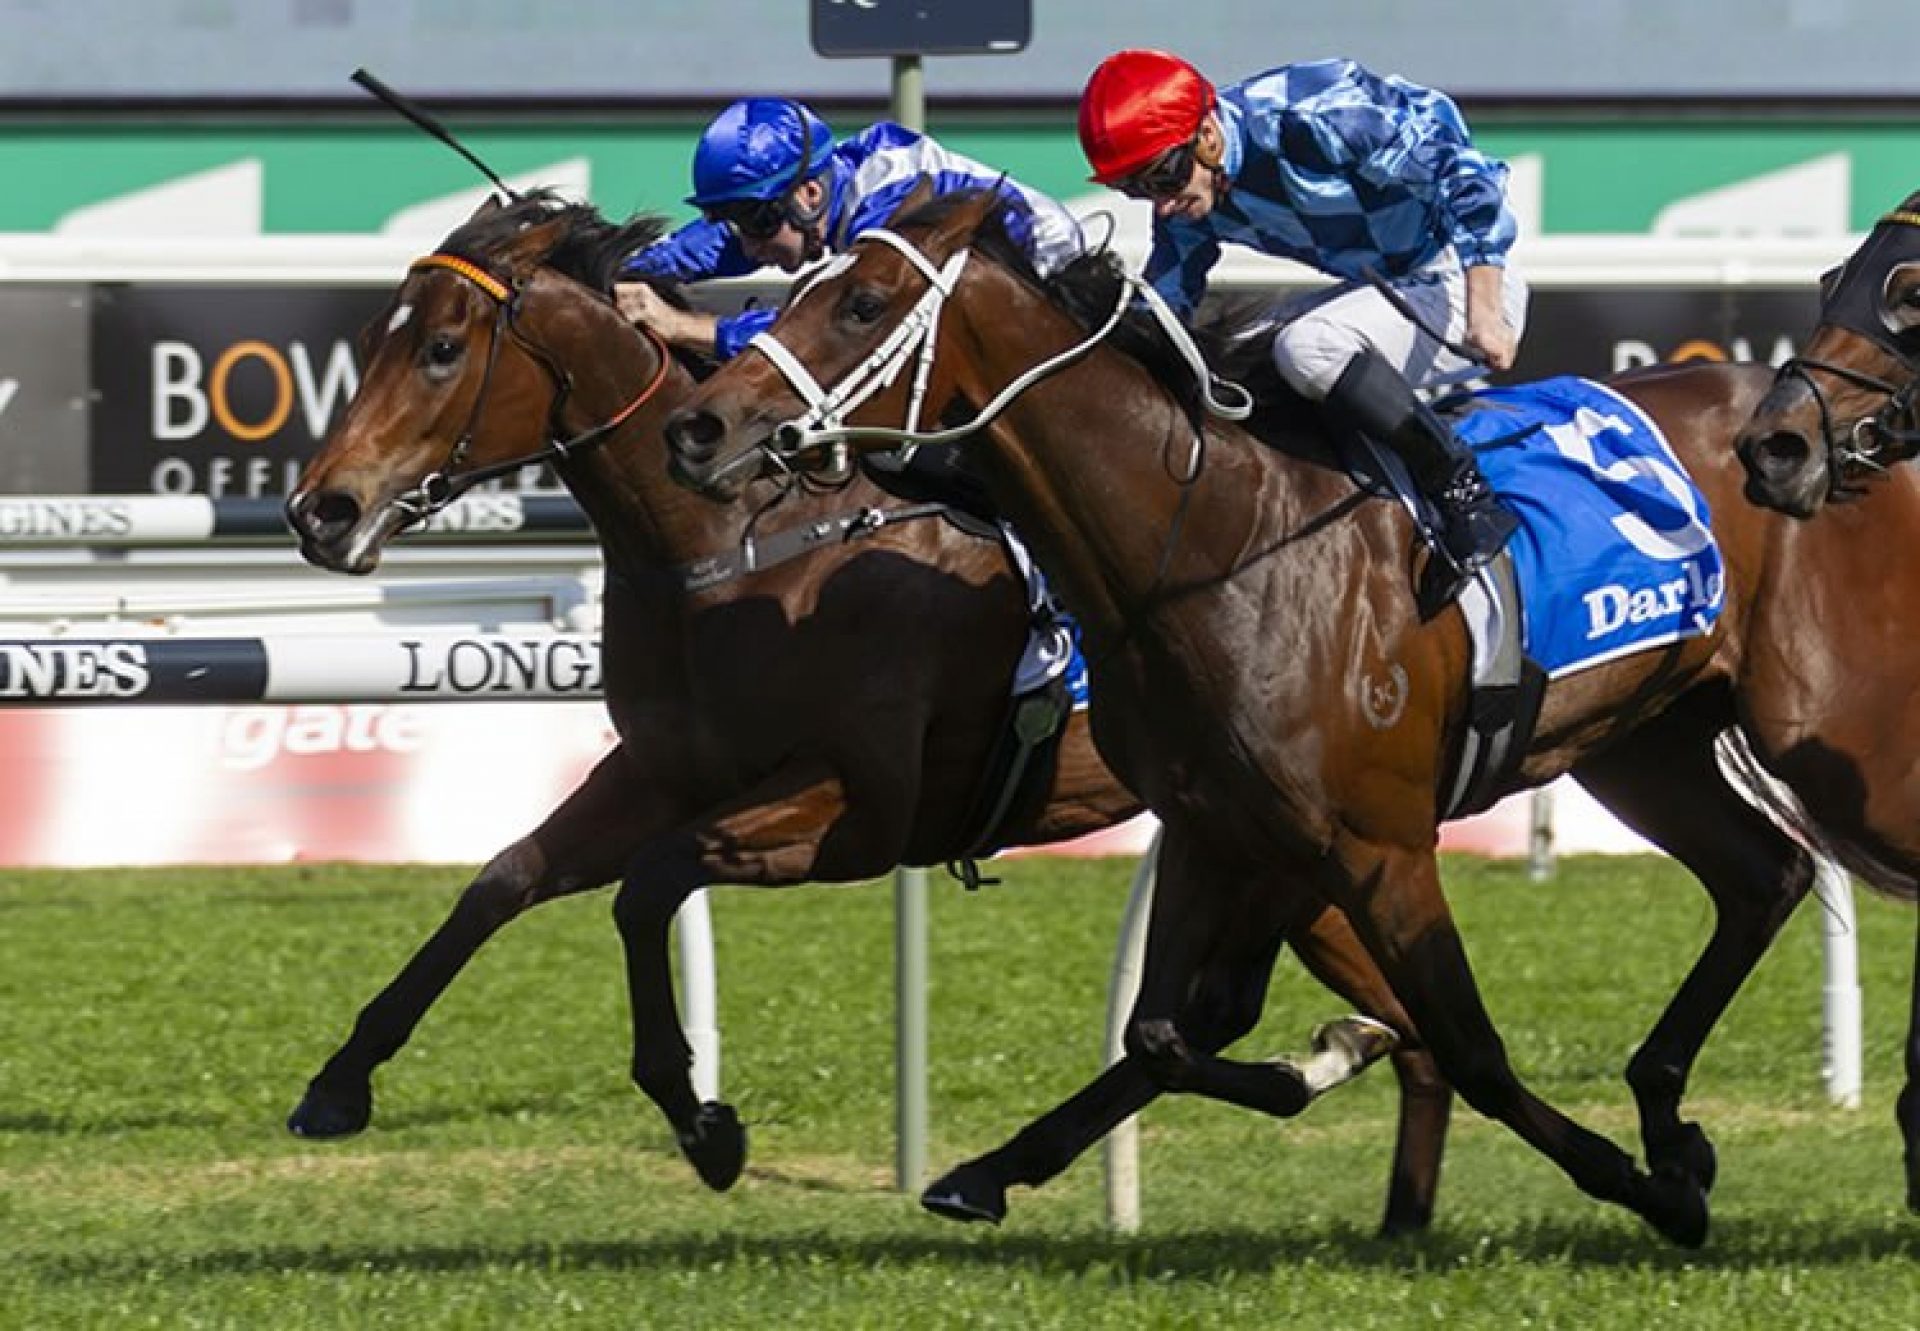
<point x="401" y="314"/>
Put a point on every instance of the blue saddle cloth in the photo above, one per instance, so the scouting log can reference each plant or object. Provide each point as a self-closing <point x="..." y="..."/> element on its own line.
<point x="1614" y="553"/>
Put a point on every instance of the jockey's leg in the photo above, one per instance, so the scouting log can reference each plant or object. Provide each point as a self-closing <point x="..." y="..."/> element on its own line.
<point x="1374" y="398"/>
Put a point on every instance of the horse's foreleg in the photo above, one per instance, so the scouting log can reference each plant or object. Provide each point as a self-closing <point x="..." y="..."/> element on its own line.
<point x="976" y="1190"/>
<point x="581" y="845"/>
<point x="1393" y="897"/>
<point x="769" y="837"/>
<point x="1212" y="939"/>
<point x="1664" y="783"/>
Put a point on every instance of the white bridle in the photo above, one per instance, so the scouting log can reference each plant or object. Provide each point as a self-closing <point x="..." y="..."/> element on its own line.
<point x="824" y="422"/>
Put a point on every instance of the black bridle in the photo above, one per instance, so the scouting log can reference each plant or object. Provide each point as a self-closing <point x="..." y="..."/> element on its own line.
<point x="1873" y="442"/>
<point x="447" y="482"/>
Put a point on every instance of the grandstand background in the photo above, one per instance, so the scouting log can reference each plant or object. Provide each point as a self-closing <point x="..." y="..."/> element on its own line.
<point x="202" y="210"/>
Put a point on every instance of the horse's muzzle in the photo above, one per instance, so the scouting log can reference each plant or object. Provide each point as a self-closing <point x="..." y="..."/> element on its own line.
<point x="326" y="522"/>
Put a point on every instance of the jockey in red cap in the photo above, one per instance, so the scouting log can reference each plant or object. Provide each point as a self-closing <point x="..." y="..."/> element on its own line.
<point x="1364" y="178"/>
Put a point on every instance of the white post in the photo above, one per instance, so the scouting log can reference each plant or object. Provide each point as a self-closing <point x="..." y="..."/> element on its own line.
<point x="1122" y="1150"/>
<point x="910" y="927"/>
<point x="1840" y="995"/>
<point x="698" y="993"/>
<point x="1540" y="835"/>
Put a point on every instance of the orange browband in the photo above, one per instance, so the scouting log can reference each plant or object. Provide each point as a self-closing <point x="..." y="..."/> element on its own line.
<point x="473" y="272"/>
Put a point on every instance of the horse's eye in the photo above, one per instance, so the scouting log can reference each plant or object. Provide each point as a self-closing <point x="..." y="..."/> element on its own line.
<point x="441" y="351"/>
<point x="866" y="306"/>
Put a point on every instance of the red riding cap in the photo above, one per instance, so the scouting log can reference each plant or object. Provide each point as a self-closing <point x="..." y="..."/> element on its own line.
<point x="1137" y="105"/>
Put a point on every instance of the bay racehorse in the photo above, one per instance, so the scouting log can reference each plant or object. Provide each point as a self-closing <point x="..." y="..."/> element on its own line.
<point x="786" y="721"/>
<point x="1246" y="608"/>
<point x="1829" y="438"/>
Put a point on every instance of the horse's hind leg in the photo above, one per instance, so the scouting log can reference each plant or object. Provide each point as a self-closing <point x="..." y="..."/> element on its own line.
<point x="1663" y="782"/>
<point x="581" y="845"/>
<point x="1907" y="1108"/>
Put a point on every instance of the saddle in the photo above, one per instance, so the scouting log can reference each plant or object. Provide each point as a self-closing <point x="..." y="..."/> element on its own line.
<point x="1505" y="686"/>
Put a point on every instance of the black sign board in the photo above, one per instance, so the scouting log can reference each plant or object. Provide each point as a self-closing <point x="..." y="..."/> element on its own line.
<point x="218" y="390"/>
<point x="921" y="27"/>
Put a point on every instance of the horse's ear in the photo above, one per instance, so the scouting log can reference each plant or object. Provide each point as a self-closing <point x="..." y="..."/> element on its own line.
<point x="956" y="229"/>
<point x="918" y="197"/>
<point x="488" y="207"/>
<point x="532" y="243"/>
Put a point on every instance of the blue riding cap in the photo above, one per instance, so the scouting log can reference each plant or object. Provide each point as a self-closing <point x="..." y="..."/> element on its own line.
<point x="754" y="149"/>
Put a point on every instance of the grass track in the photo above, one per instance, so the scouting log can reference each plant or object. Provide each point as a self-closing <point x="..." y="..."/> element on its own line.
<point x="155" y="1027"/>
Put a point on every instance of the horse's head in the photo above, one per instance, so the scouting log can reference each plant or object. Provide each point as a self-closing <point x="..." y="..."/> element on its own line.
<point x="472" y="372"/>
<point x="859" y="342"/>
<point x="1846" y="406"/>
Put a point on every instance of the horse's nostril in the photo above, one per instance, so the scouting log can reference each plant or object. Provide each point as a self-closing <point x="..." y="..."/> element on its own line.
<point x="695" y="435"/>
<point x="326" y="514"/>
<point x="1782" y="452"/>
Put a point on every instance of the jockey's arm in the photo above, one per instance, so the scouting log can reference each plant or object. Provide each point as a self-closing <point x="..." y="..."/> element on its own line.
<point x="692" y="330"/>
<point x="1488" y="331"/>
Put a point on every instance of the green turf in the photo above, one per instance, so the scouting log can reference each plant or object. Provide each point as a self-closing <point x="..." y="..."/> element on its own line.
<point x="155" y="1028"/>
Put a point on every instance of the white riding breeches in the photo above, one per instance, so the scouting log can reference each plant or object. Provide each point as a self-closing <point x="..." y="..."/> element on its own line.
<point x="1321" y="332"/>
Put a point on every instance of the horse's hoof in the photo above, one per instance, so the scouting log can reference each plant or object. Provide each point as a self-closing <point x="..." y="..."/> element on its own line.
<point x="1690" y="1155"/>
<point x="1285" y="1091"/>
<point x="969" y="1193"/>
<point x="1402" y="1220"/>
<point x="716" y="1146"/>
<point x="331" y="1113"/>
<point x="1679" y="1210"/>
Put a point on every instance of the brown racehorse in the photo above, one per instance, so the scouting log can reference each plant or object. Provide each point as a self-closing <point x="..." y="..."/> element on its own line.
<point x="1242" y="606"/>
<point x="795" y="723"/>
<point x="1840" y="418"/>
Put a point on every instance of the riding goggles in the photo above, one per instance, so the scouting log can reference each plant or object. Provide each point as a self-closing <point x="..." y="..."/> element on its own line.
<point x="1163" y="177"/>
<point x="751" y="219"/>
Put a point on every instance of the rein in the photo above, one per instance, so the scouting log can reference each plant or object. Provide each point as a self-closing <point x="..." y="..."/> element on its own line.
<point x="446" y="483"/>
<point x="824" y="423"/>
<point x="756" y="556"/>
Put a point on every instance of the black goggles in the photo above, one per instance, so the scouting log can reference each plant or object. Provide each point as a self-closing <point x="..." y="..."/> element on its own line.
<point x="751" y="219"/>
<point x="1165" y="176"/>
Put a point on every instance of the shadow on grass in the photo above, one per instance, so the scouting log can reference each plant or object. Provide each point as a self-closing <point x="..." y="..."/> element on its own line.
<point x="1197" y="1255"/>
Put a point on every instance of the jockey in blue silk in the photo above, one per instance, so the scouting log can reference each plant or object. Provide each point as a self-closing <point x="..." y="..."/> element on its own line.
<point x="775" y="190"/>
<point x="1350" y="173"/>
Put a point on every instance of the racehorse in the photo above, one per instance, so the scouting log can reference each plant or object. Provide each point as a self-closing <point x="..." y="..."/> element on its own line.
<point x="1828" y="438"/>
<point x="782" y="719"/>
<point x="1261" y="671"/>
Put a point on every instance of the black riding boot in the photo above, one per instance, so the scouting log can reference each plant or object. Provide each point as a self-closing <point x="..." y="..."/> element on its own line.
<point x="1375" y="399"/>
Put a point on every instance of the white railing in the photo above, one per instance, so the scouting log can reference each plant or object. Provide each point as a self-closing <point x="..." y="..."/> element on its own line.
<point x="1550" y="261"/>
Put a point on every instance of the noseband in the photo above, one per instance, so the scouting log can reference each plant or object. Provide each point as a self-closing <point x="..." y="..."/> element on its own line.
<point x="1872" y="442"/>
<point x="446" y="483"/>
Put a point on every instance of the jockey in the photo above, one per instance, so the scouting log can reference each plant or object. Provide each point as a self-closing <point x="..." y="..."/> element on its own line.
<point x="774" y="189"/>
<point x="1345" y="171"/>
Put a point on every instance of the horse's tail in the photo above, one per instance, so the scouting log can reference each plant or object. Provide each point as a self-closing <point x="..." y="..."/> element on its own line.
<point x="1742" y="767"/>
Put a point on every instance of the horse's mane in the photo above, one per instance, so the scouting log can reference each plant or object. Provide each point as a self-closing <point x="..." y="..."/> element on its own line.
<point x="1234" y="340"/>
<point x="590" y="249"/>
